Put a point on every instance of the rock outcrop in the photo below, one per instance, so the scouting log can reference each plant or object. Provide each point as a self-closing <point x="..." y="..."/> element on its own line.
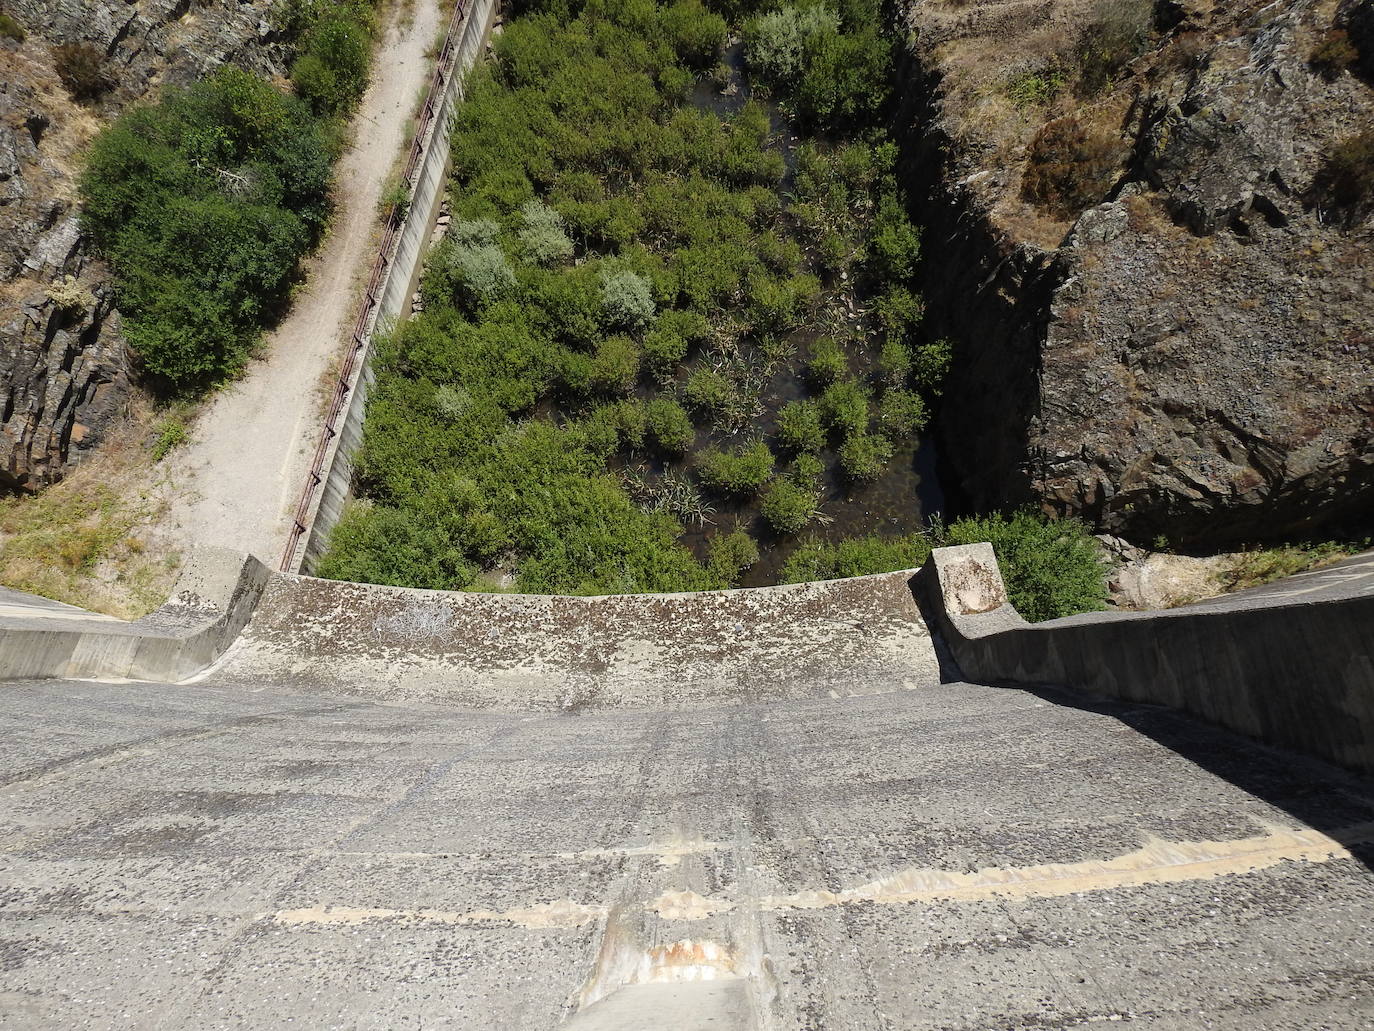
<point x="64" y="371"/>
<point x="1188" y="352"/>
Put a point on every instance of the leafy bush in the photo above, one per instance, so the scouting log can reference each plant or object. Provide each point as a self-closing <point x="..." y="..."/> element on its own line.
<point x="1072" y="163"/>
<point x="664" y="349"/>
<point x="742" y="471"/>
<point x="901" y="413"/>
<point x="776" y="42"/>
<point x="171" y="434"/>
<point x="615" y="366"/>
<point x="826" y="361"/>
<point x="896" y="244"/>
<point x="844" y="408"/>
<point x="1347" y="175"/>
<point x="730" y="554"/>
<point x="1052" y="568"/>
<point x="787" y="506"/>
<point x="544" y="235"/>
<point x="669" y="426"/>
<point x="629" y="301"/>
<point x="81" y="67"/>
<point x="480" y="273"/>
<point x="864" y="456"/>
<point x="697" y="35"/>
<point x="707" y="390"/>
<point x="204" y="203"/>
<point x="894" y="363"/>
<point x="930" y="365"/>
<point x="331" y="67"/>
<point x="857" y="556"/>
<point x="799" y="427"/>
<point x="11" y="29"/>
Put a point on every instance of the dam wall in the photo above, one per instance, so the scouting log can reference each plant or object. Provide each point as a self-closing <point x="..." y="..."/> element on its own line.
<point x="392" y="284"/>
<point x="1290" y="664"/>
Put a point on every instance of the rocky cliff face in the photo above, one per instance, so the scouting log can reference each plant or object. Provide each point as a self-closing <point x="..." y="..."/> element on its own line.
<point x="1187" y="348"/>
<point x="64" y="372"/>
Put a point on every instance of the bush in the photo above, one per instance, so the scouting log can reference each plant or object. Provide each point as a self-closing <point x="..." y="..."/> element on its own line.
<point x="1347" y="175"/>
<point x="901" y="413"/>
<point x="844" y="408"/>
<point x="930" y="365"/>
<point x="1072" y="164"/>
<point x="826" y="361"/>
<point x="856" y="556"/>
<point x="331" y="69"/>
<point x="775" y="43"/>
<point x="203" y="204"/>
<point x="895" y="243"/>
<point x="1052" y="568"/>
<point x="481" y="275"/>
<point x="615" y="366"/>
<point x="799" y="427"/>
<point x="81" y="67"/>
<point x="697" y="35"/>
<point x="1334" y="54"/>
<point x="740" y="472"/>
<point x="669" y="427"/>
<point x="864" y="456"/>
<point x="627" y="298"/>
<point x="663" y="350"/>
<point x="707" y="390"/>
<point x="544" y="235"/>
<point x="787" y="506"/>
<point x="730" y="554"/>
<point x="171" y="434"/>
<point x="11" y="29"/>
<point x="894" y="363"/>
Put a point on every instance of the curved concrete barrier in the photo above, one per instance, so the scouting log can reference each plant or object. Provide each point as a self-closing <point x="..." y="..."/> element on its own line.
<point x="1290" y="664"/>
<point x="830" y="639"/>
<point x="213" y="600"/>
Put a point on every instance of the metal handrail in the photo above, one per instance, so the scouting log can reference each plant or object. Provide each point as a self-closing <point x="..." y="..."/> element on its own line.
<point x="443" y="67"/>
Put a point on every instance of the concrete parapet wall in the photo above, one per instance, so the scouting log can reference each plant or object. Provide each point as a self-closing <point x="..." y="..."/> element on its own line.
<point x="396" y="290"/>
<point x="1291" y="665"/>
<point x="830" y="639"/>
<point x="213" y="600"/>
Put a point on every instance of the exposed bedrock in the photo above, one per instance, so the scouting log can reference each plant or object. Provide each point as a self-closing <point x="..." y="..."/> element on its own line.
<point x="64" y="370"/>
<point x="1194" y="355"/>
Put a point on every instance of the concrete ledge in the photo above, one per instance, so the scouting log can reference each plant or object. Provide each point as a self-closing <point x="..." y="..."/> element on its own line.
<point x="1291" y="667"/>
<point x="213" y="600"/>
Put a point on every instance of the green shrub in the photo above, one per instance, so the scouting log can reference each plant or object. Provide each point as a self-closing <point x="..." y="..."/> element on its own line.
<point x="844" y="408"/>
<point x="857" y="556"/>
<point x="480" y="273"/>
<point x="1037" y="86"/>
<point x="895" y="244"/>
<point x="730" y="554"/>
<point x="899" y="311"/>
<point x="799" y="427"/>
<point x="1072" y="162"/>
<point x="615" y="366"/>
<point x="930" y="365"/>
<point x="544" y="235"/>
<point x="1347" y="175"/>
<point x="697" y="35"/>
<point x="628" y="300"/>
<point x="11" y="29"/>
<point x="663" y="350"/>
<point x="864" y="456"/>
<point x="1052" y="568"/>
<point x="776" y="42"/>
<point x="81" y="67"/>
<point x="826" y="361"/>
<point x="901" y="413"/>
<point x="739" y="472"/>
<point x="171" y="434"/>
<point x="204" y="203"/>
<point x="894" y="363"/>
<point x="331" y="69"/>
<point x="787" y="506"/>
<point x="669" y="426"/>
<point x="707" y="390"/>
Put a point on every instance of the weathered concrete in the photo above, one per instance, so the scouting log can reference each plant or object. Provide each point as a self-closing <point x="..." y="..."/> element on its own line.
<point x="836" y="638"/>
<point x="958" y="858"/>
<point x="214" y="597"/>
<point x="1291" y="663"/>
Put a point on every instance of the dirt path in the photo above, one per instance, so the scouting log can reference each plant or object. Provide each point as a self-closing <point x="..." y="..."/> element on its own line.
<point x="237" y="482"/>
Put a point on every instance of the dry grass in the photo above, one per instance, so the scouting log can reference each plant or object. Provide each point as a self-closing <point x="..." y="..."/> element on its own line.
<point x="1265" y="565"/>
<point x="84" y="541"/>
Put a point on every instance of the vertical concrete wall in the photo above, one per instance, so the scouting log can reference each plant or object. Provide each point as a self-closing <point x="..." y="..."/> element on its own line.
<point x="1291" y="664"/>
<point x="397" y="289"/>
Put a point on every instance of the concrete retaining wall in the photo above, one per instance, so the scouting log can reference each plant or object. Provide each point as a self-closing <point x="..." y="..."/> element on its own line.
<point x="397" y="289"/>
<point x="1292" y="665"/>
<point x="213" y="600"/>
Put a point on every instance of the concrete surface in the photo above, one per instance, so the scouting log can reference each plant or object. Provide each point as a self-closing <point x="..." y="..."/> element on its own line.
<point x="951" y="857"/>
<point x="213" y="600"/>
<point x="1290" y="663"/>
<point x="829" y="639"/>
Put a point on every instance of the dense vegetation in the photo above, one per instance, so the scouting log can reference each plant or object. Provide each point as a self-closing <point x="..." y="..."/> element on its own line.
<point x="634" y="267"/>
<point x="205" y="201"/>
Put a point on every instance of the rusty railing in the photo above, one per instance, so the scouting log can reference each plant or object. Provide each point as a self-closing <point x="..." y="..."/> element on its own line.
<point x="444" y="65"/>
